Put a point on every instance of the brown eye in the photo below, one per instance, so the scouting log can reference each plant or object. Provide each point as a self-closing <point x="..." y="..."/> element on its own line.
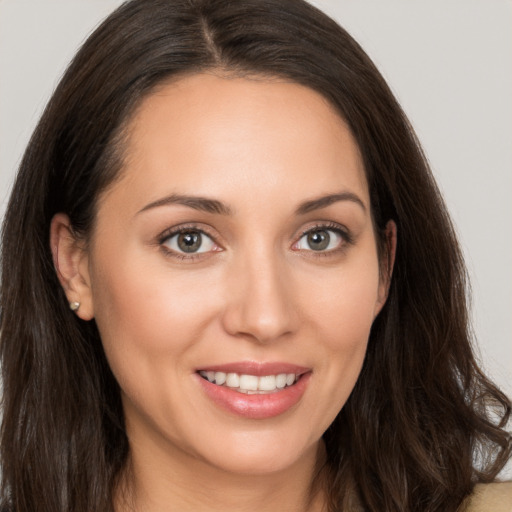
<point x="190" y="242"/>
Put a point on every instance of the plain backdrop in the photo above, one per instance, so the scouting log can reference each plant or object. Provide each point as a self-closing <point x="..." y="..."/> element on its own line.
<point x="449" y="62"/>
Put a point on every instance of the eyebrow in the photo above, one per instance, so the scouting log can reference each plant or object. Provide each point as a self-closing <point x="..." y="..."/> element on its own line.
<point x="325" y="201"/>
<point x="203" y="204"/>
<point x="208" y="205"/>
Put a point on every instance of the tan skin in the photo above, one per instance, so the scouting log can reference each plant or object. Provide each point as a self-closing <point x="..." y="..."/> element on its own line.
<point x="260" y="287"/>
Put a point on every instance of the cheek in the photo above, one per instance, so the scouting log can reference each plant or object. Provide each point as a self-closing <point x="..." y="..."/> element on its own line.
<point x="150" y="322"/>
<point x="344" y="341"/>
<point x="344" y="303"/>
<point x="342" y="312"/>
<point x="144" y="303"/>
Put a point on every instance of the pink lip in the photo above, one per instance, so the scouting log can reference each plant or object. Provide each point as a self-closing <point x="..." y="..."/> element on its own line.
<point x="256" y="406"/>
<point x="256" y="368"/>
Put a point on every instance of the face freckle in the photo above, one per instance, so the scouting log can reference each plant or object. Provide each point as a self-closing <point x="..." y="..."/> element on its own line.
<point x="254" y="176"/>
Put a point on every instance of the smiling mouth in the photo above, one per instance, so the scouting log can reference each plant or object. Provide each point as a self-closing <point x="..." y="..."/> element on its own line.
<point x="251" y="384"/>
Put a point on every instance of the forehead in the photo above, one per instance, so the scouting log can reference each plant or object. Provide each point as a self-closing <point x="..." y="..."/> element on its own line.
<point x="229" y="136"/>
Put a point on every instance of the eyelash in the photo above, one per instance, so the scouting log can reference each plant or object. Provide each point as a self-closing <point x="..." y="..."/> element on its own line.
<point x="345" y="235"/>
<point x="328" y="226"/>
<point x="170" y="233"/>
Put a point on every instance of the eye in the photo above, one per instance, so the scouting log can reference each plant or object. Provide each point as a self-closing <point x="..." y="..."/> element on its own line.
<point x="320" y="239"/>
<point x="190" y="241"/>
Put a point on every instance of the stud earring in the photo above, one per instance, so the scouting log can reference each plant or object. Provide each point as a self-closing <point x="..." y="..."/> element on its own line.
<point x="74" y="306"/>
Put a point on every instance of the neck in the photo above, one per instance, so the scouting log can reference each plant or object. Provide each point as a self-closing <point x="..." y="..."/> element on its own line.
<point x="160" y="482"/>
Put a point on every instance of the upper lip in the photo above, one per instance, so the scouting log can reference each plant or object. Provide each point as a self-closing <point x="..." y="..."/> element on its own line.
<point x="256" y="368"/>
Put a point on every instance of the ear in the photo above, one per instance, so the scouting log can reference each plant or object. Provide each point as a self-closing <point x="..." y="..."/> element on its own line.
<point x="71" y="262"/>
<point x="387" y="264"/>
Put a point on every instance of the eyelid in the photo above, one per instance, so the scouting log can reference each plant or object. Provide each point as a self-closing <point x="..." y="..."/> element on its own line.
<point x="339" y="229"/>
<point x="184" y="228"/>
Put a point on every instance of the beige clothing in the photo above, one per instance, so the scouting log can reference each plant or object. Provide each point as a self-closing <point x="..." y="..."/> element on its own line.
<point x="490" y="498"/>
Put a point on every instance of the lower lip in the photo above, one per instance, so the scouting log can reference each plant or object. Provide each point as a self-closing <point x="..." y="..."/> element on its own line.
<point x="256" y="407"/>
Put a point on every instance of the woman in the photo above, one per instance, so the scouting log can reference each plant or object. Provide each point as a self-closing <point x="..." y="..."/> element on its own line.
<point x="236" y="286"/>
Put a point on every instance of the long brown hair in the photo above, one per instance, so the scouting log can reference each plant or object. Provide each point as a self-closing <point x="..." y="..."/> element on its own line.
<point x="423" y="423"/>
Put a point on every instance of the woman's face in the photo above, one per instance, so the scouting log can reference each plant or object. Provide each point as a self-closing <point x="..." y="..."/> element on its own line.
<point x="237" y="245"/>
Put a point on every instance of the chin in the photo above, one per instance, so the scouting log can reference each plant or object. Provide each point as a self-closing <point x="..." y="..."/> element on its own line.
<point x="258" y="453"/>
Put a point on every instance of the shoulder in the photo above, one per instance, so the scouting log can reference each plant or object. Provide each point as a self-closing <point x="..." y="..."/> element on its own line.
<point x="496" y="497"/>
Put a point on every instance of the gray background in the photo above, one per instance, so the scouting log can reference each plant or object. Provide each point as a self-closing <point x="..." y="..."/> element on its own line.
<point x="449" y="62"/>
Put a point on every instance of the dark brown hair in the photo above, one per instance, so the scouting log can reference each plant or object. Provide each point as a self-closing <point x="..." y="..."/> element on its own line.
<point x="423" y="423"/>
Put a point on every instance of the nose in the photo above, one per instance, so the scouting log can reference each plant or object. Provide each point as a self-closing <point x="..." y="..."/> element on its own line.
<point x="260" y="304"/>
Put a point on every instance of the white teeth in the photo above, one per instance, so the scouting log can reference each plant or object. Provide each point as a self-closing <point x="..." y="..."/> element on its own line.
<point x="281" y="380"/>
<point x="251" y="384"/>
<point x="232" y="380"/>
<point x="266" y="383"/>
<point x="220" y="378"/>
